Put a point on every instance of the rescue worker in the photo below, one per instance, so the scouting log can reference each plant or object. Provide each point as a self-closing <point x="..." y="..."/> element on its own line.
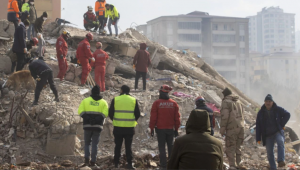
<point x="99" y="64"/>
<point x="39" y="23"/>
<point x="100" y="13"/>
<point x="83" y="54"/>
<point x="61" y="54"/>
<point x="270" y="122"/>
<point x="93" y="110"/>
<point x="90" y="20"/>
<point x="43" y="74"/>
<point x="200" y="104"/>
<point x="114" y="17"/>
<point x="13" y="12"/>
<point x="29" y="6"/>
<point x="232" y="126"/>
<point x="165" y="118"/>
<point x="141" y="63"/>
<point x="124" y="112"/>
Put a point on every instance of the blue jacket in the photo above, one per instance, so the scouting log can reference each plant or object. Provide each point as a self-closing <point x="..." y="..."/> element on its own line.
<point x="19" y="39"/>
<point x="282" y="117"/>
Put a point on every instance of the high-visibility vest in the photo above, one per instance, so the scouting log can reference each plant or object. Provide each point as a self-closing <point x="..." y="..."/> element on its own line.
<point x="124" y="111"/>
<point x="25" y="7"/>
<point x="100" y="8"/>
<point x="11" y="8"/>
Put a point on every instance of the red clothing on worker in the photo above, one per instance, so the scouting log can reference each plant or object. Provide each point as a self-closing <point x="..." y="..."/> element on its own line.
<point x="83" y="54"/>
<point x="89" y="17"/>
<point x="142" y="59"/>
<point x="100" y="63"/>
<point x="165" y="115"/>
<point x="61" y="49"/>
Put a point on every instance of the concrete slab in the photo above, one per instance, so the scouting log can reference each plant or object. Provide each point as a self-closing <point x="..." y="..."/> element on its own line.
<point x="64" y="145"/>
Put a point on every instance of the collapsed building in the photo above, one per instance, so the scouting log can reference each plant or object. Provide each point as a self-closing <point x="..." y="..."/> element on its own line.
<point x="50" y="135"/>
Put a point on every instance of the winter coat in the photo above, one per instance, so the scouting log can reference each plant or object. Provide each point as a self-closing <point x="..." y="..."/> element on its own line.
<point x="211" y="115"/>
<point x="61" y="47"/>
<point x="89" y="18"/>
<point x="100" y="58"/>
<point x="13" y="11"/>
<point x="282" y="117"/>
<point x="32" y="12"/>
<point x="41" y="46"/>
<point x="112" y="13"/>
<point x="197" y="149"/>
<point x="232" y="114"/>
<point x="83" y="50"/>
<point x="142" y="59"/>
<point x="38" y="25"/>
<point x="38" y="67"/>
<point x="19" y="39"/>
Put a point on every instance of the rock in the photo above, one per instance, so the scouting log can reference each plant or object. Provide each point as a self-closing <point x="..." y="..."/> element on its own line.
<point x="5" y="64"/>
<point x="7" y="29"/>
<point x="70" y="76"/>
<point x="11" y="94"/>
<point x="154" y="145"/>
<point x="5" y="91"/>
<point x="85" y="168"/>
<point x="66" y="163"/>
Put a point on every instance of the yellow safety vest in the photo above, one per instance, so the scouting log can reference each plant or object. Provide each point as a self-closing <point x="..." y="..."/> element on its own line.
<point x="124" y="111"/>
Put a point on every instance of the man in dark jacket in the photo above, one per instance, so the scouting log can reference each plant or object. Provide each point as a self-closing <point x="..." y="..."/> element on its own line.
<point x="197" y="149"/>
<point x="200" y="103"/>
<point x="19" y="46"/>
<point x="270" y="123"/>
<point x="43" y="74"/>
<point x="124" y="112"/>
<point x="141" y="63"/>
<point x="165" y="118"/>
<point x="93" y="110"/>
<point x="39" y="23"/>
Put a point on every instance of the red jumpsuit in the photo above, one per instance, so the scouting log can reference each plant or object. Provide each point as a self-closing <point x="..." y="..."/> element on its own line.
<point x="100" y="63"/>
<point x="83" y="54"/>
<point x="61" y="49"/>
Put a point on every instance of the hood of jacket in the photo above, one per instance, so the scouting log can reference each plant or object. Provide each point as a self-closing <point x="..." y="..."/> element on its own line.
<point x="143" y="46"/>
<point x="198" y="122"/>
<point x="232" y="98"/>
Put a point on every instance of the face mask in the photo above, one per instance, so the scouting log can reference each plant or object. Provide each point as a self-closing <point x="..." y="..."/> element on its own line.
<point x="44" y="18"/>
<point x="31" y="3"/>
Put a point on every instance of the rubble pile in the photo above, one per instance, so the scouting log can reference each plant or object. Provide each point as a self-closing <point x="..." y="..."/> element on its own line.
<point x="51" y="136"/>
<point x="7" y="30"/>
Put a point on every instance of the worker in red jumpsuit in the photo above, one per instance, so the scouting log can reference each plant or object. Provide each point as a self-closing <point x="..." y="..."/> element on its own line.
<point x="100" y="63"/>
<point x="61" y="54"/>
<point x="83" y="54"/>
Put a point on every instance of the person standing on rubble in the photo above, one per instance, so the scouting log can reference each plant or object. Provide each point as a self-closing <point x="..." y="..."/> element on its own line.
<point x="39" y="23"/>
<point x="29" y="6"/>
<point x="270" y="122"/>
<point x="41" y="46"/>
<point x="13" y="12"/>
<point x="232" y="127"/>
<point x="100" y="65"/>
<point x="124" y="112"/>
<point x="90" y="20"/>
<point x="141" y="63"/>
<point x="83" y="54"/>
<point x="43" y="74"/>
<point x="114" y="17"/>
<point x="165" y="118"/>
<point x="61" y="54"/>
<point x="100" y="13"/>
<point x="93" y="110"/>
<point x="200" y="103"/>
<point x="197" y="149"/>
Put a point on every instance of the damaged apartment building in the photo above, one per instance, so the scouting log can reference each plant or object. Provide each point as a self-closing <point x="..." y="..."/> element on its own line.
<point x="221" y="41"/>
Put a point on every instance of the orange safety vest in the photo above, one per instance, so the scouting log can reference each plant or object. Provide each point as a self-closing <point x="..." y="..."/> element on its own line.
<point x="100" y="8"/>
<point x="11" y="8"/>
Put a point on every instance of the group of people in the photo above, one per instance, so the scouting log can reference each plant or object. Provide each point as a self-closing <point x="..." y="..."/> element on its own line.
<point x="104" y="12"/>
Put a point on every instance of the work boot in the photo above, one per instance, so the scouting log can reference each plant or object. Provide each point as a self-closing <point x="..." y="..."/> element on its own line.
<point x="93" y="165"/>
<point x="56" y="99"/>
<point x="129" y="166"/>
<point x="116" y="165"/>
<point x="281" y="164"/>
<point x="35" y="103"/>
<point x="86" y="162"/>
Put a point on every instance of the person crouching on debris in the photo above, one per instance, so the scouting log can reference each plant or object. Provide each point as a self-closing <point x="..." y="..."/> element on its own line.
<point x="124" y="112"/>
<point x="200" y="103"/>
<point x="43" y="74"/>
<point x="270" y="122"/>
<point x="83" y="54"/>
<point x="141" y="63"/>
<point x="93" y="110"/>
<point x="197" y="149"/>
<point x="232" y="127"/>
<point x="165" y="118"/>
<point x="61" y="54"/>
<point x="100" y="65"/>
<point x="90" y="20"/>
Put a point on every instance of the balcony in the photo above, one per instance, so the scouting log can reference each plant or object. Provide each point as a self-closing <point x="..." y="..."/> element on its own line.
<point x="224" y="32"/>
<point x="186" y="31"/>
<point x="224" y="44"/>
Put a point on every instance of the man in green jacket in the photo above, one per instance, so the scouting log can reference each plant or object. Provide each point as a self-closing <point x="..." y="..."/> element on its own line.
<point x="114" y="17"/>
<point x="29" y="6"/>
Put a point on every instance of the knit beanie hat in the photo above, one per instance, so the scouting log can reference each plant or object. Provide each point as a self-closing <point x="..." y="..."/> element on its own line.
<point x="45" y="14"/>
<point x="125" y="89"/>
<point x="227" y="92"/>
<point x="96" y="90"/>
<point x="269" y="98"/>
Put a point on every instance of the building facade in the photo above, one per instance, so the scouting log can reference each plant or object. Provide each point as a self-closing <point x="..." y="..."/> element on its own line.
<point x="271" y="28"/>
<point x="220" y="41"/>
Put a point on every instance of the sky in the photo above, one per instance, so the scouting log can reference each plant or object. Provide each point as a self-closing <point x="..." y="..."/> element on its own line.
<point x="137" y="12"/>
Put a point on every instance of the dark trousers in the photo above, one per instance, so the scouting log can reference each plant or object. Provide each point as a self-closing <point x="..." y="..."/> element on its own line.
<point x="118" y="143"/>
<point x="47" y="76"/>
<point x="16" y="24"/>
<point x="91" y="26"/>
<point x="138" y="74"/>
<point x="13" y="66"/>
<point x="93" y="137"/>
<point x="20" y="61"/>
<point x="164" y="136"/>
<point x="101" y="22"/>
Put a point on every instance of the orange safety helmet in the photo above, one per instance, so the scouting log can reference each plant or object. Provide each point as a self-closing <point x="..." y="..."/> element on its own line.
<point x="200" y="98"/>
<point x="35" y="41"/>
<point x="89" y="36"/>
<point x="165" y="88"/>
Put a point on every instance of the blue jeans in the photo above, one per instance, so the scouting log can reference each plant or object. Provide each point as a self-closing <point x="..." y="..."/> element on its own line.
<point x="270" y="141"/>
<point x="110" y="21"/>
<point x="29" y="31"/>
<point x="94" y="138"/>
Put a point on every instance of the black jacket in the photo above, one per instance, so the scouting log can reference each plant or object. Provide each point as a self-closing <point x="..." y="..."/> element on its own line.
<point x="38" y="25"/>
<point x="19" y="39"/>
<point x="123" y="130"/>
<point x="38" y="67"/>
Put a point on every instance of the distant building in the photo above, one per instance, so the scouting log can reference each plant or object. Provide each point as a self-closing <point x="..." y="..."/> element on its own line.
<point x="52" y="7"/>
<point x="220" y="41"/>
<point x="271" y="28"/>
<point x="297" y="41"/>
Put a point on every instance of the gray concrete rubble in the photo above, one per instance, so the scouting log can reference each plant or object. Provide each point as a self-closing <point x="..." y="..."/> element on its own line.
<point x="50" y="135"/>
<point x="7" y="30"/>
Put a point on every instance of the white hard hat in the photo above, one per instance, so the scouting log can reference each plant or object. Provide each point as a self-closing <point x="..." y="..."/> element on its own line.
<point x="90" y="8"/>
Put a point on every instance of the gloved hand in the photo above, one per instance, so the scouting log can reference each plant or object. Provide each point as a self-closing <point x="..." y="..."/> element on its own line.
<point x="176" y="133"/>
<point x="61" y="56"/>
<point x="94" y="22"/>
<point x="113" y="23"/>
<point x="283" y="128"/>
<point x="93" y="59"/>
<point x="259" y="142"/>
<point x="38" y="79"/>
<point x="152" y="132"/>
